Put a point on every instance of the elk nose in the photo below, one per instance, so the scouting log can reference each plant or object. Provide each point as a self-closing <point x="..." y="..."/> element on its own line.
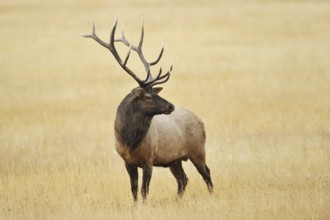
<point x="171" y="107"/>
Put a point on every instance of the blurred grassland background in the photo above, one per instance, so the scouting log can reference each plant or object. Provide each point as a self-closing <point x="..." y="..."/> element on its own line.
<point x="257" y="72"/>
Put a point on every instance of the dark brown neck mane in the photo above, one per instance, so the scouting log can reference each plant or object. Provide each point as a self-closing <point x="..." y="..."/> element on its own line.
<point x="131" y="123"/>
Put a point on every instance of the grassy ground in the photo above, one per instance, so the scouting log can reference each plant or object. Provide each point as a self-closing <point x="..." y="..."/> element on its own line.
<point x="257" y="73"/>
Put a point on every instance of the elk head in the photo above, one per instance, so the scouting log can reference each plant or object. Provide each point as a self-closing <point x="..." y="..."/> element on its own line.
<point x="147" y="101"/>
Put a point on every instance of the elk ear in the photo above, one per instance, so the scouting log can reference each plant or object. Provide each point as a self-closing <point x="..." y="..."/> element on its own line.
<point x="137" y="92"/>
<point x="157" y="89"/>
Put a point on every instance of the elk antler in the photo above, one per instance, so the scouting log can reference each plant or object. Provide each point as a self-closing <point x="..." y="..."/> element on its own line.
<point x="150" y="80"/>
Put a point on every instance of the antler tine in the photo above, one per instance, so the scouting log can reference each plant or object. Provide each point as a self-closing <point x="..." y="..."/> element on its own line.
<point x="159" y="56"/>
<point x="138" y="50"/>
<point x="149" y="76"/>
<point x="142" y="34"/>
<point x="113" y="31"/>
<point x="95" y="37"/>
<point x="128" y="53"/>
<point x="123" y="39"/>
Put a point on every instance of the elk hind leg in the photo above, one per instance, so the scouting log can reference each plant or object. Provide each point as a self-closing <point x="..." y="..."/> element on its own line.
<point x="204" y="171"/>
<point x="180" y="176"/>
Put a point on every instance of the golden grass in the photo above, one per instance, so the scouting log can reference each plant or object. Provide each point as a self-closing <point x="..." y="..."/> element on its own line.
<point x="257" y="73"/>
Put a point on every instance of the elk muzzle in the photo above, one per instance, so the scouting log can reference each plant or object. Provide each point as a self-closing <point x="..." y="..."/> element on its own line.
<point x="170" y="109"/>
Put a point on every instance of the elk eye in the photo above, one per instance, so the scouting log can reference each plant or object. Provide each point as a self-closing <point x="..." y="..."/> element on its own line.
<point x="147" y="97"/>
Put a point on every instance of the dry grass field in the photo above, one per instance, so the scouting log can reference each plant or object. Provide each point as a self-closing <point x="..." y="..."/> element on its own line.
<point x="257" y="72"/>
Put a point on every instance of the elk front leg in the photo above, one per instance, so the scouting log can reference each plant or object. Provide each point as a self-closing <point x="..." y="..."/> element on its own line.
<point x="180" y="176"/>
<point x="147" y="172"/>
<point x="134" y="177"/>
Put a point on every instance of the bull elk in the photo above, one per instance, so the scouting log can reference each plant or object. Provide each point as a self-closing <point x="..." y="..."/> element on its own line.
<point x="149" y="131"/>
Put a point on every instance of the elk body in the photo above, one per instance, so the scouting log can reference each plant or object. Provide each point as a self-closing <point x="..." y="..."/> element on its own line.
<point x="149" y="130"/>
